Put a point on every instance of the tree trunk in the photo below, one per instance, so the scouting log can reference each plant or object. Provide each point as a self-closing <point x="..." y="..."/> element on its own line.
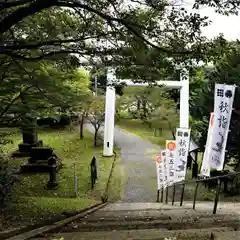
<point x="81" y="127"/>
<point x="154" y="132"/>
<point x="170" y="128"/>
<point x="173" y="134"/>
<point x="160" y="131"/>
<point x="189" y="162"/>
<point x="138" y="105"/>
<point x="144" y="106"/>
<point x="195" y="170"/>
<point x="95" y="138"/>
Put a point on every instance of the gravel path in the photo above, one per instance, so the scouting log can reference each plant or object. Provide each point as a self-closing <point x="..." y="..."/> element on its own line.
<point x="139" y="166"/>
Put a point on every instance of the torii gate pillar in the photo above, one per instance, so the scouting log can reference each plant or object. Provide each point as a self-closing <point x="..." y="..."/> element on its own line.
<point x="109" y="115"/>
<point x="184" y="98"/>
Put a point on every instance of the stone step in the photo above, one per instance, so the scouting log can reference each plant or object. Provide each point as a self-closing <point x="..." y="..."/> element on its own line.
<point x="150" y="234"/>
<point x="163" y="210"/>
<point x="223" y="207"/>
<point x="159" y="214"/>
<point x="159" y="224"/>
<point x="129" y="216"/>
<point x="154" y="221"/>
<point x="228" y="235"/>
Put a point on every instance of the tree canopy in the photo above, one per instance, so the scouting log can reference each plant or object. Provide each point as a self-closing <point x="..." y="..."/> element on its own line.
<point x="33" y="89"/>
<point x="129" y="34"/>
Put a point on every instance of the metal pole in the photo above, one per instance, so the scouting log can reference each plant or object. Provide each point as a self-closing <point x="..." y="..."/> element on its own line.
<point x="75" y="181"/>
<point x="166" y="199"/>
<point x="162" y="194"/>
<point x="158" y="192"/>
<point x="95" y="81"/>
<point x="195" y="195"/>
<point x="182" y="194"/>
<point x="217" y="196"/>
<point x="173" y="197"/>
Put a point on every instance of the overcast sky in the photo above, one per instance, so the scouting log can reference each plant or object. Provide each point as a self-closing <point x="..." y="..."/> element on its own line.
<point x="229" y="26"/>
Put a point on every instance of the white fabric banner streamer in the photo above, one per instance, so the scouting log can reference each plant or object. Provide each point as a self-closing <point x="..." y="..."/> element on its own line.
<point x="170" y="158"/>
<point x="205" y="168"/>
<point x="182" y="141"/>
<point x="160" y="171"/>
<point x="165" y="168"/>
<point x="223" y="101"/>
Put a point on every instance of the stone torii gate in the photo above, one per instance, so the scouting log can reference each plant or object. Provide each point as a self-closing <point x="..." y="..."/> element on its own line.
<point x="183" y="85"/>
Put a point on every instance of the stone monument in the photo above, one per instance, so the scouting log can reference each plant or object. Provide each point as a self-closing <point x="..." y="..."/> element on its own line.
<point x="43" y="159"/>
<point x="29" y="137"/>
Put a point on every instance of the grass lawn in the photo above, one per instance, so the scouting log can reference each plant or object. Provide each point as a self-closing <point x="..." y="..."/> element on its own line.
<point x="31" y="202"/>
<point x="136" y="127"/>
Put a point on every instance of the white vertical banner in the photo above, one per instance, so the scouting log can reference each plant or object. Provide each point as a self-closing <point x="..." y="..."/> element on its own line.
<point x="165" y="168"/>
<point x="170" y="158"/>
<point x="160" y="170"/>
<point x="223" y="101"/>
<point x="205" y="167"/>
<point x="182" y="142"/>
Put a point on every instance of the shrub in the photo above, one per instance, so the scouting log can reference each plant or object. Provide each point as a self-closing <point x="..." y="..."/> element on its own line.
<point x="7" y="180"/>
<point x="64" y="120"/>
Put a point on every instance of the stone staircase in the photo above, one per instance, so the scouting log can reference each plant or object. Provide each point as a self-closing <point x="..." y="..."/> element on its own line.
<point x="154" y="221"/>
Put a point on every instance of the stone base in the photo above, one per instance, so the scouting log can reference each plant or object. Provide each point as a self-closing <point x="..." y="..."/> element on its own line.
<point x="18" y="154"/>
<point x="26" y="147"/>
<point x="39" y="167"/>
<point x="51" y="186"/>
<point x="40" y="153"/>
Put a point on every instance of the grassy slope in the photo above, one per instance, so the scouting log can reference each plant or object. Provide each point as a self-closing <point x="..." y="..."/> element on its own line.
<point x="116" y="187"/>
<point x="136" y="127"/>
<point x="32" y="202"/>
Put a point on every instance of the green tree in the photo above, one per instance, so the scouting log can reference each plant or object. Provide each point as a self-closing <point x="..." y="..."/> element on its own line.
<point x="136" y="100"/>
<point x="96" y="114"/>
<point x="7" y="176"/>
<point x="164" y="118"/>
<point x="99" y="80"/>
<point x="152" y="105"/>
<point x="30" y="90"/>
<point x="7" y="180"/>
<point x="163" y="114"/>
<point x="78" y="80"/>
<point x="83" y="114"/>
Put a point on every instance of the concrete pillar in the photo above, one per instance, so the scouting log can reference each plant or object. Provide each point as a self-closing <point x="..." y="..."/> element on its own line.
<point x="109" y="115"/>
<point x="184" y="98"/>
